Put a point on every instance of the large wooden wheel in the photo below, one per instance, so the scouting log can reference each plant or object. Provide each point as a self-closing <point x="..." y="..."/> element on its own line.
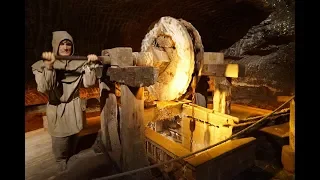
<point x="177" y="38"/>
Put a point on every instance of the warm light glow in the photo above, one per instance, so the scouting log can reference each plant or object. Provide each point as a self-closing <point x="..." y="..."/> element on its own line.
<point x="232" y="70"/>
<point x="174" y="81"/>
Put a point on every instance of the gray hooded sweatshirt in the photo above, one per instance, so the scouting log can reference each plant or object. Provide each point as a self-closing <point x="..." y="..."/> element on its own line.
<point x="65" y="113"/>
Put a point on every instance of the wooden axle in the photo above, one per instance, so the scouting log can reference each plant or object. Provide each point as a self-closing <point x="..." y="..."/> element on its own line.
<point x="117" y="57"/>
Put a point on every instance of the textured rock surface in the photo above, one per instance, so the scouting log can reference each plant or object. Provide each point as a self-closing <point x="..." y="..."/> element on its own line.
<point x="103" y="24"/>
<point x="268" y="51"/>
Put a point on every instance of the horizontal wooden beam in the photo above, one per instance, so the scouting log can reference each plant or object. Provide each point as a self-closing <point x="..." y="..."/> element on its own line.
<point x="207" y="115"/>
<point x="217" y="152"/>
<point x="134" y="76"/>
<point x="223" y="70"/>
<point x="154" y="57"/>
<point x="120" y="56"/>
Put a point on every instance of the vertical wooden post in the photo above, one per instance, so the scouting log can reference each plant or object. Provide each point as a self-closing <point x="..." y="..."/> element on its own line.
<point x="109" y="122"/>
<point x="292" y="125"/>
<point x="131" y="153"/>
<point x="288" y="151"/>
<point x="108" y="116"/>
<point x="132" y="131"/>
<point x="222" y="85"/>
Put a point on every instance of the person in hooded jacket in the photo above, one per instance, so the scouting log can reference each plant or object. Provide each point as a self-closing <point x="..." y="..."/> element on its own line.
<point x="60" y="80"/>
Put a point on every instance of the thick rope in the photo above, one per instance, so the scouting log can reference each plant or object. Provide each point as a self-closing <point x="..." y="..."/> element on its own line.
<point x="196" y="152"/>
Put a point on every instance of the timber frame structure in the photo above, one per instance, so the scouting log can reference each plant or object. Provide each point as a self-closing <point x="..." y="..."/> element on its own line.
<point x="131" y="143"/>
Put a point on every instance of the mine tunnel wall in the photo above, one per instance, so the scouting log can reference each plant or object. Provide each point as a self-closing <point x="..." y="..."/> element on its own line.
<point x="257" y="34"/>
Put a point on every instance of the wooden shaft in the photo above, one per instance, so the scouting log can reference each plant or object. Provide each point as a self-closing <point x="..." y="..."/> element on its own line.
<point x="103" y="59"/>
<point x="292" y="125"/>
<point x="132" y="131"/>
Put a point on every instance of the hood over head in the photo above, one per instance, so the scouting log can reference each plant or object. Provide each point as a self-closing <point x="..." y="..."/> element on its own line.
<point x="57" y="37"/>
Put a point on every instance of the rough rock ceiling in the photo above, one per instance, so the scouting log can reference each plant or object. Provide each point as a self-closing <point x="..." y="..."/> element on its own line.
<point x="102" y="24"/>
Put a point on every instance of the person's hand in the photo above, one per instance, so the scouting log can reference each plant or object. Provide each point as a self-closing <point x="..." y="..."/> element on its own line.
<point x="92" y="57"/>
<point x="48" y="58"/>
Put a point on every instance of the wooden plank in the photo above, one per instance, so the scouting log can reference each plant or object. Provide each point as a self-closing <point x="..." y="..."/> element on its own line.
<point x="283" y="98"/>
<point x="257" y="111"/>
<point x="164" y="110"/>
<point x="109" y="108"/>
<point x="227" y="160"/>
<point x="219" y="150"/>
<point x="39" y="160"/>
<point x="243" y="112"/>
<point x="210" y="58"/>
<point x="223" y="70"/>
<point x="222" y="85"/>
<point x="203" y="135"/>
<point x="207" y="116"/>
<point x="281" y="130"/>
<point x="109" y="122"/>
<point x="155" y="58"/>
<point x="132" y="131"/>
<point x="134" y="76"/>
<point x="233" y="118"/>
<point x="292" y="125"/>
<point x="165" y="143"/>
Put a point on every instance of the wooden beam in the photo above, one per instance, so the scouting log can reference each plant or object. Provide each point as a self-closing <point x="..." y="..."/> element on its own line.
<point x="109" y="122"/>
<point x="223" y="70"/>
<point x="164" y="110"/>
<point x="207" y="115"/>
<point x="281" y="130"/>
<point x="134" y="76"/>
<point x="292" y="125"/>
<point x="283" y="98"/>
<point x="222" y="85"/>
<point x="120" y="56"/>
<point x="155" y="58"/>
<point x="132" y="131"/>
<point x="218" y="151"/>
<point x="109" y="108"/>
<point x="226" y="160"/>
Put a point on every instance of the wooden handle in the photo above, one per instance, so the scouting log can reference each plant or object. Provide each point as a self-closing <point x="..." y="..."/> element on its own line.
<point x="103" y="59"/>
<point x="71" y="57"/>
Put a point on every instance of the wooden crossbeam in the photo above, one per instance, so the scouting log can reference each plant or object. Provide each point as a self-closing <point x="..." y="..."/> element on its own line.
<point x="207" y="115"/>
<point x="134" y="76"/>
<point x="132" y="80"/>
<point x="223" y="70"/>
<point x="222" y="85"/>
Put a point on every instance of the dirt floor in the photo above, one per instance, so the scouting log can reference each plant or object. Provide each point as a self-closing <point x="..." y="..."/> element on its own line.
<point x="87" y="164"/>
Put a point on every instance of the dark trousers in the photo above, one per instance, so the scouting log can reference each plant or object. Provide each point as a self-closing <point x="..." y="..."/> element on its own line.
<point x="64" y="147"/>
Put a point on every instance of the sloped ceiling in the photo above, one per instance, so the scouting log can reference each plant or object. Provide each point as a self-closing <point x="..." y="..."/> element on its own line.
<point x="101" y="24"/>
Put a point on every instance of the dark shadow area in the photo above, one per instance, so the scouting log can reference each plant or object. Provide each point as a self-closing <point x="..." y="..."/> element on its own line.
<point x="103" y="24"/>
<point x="86" y="142"/>
<point x="268" y="159"/>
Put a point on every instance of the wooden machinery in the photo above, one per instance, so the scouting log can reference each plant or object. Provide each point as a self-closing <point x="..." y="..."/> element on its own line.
<point x="176" y="59"/>
<point x="171" y="61"/>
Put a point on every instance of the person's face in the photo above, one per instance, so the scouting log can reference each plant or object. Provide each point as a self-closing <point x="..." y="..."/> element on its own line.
<point x="65" y="48"/>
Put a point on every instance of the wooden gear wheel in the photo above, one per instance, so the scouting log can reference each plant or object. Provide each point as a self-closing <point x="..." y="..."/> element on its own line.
<point x="183" y="45"/>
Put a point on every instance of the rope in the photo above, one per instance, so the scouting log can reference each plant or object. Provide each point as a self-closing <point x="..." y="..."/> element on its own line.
<point x="196" y="152"/>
